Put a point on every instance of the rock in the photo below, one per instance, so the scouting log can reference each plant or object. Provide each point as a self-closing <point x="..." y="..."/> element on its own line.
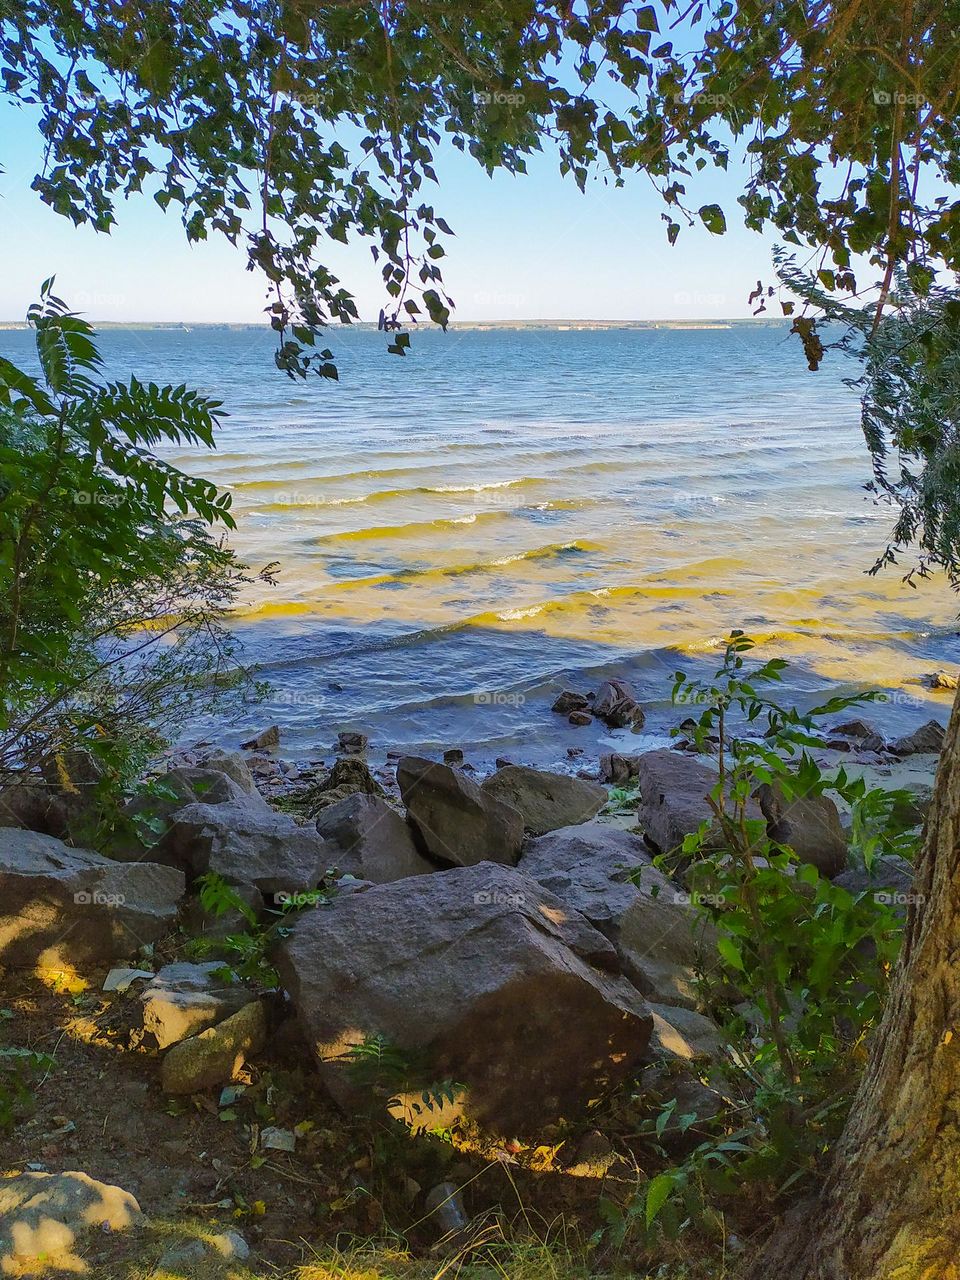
<point x="580" y="719"/>
<point x="479" y="974"/>
<point x="274" y="1139"/>
<point x="265" y="741"/>
<point x="349" y="776"/>
<point x="890" y="879"/>
<point x="246" y="846"/>
<point x="25" y="804"/>
<point x="455" y="821"/>
<point x="911" y="809"/>
<point x="673" y="791"/>
<point x="352" y="743"/>
<point x="616" y="706"/>
<point x="61" y="907"/>
<point x="546" y="801"/>
<point x="196" y="922"/>
<point x="234" y="766"/>
<point x="865" y="735"/>
<point x="943" y="680"/>
<point x="369" y="840"/>
<point x="660" y="939"/>
<point x="153" y="809"/>
<point x="618" y="768"/>
<point x="215" y="1056"/>
<point x="927" y="740"/>
<point x="594" y="1156"/>
<point x="43" y="1217"/>
<point x="226" y="1245"/>
<point x="453" y="756"/>
<point x="683" y="1034"/>
<point x="569" y="701"/>
<point x="809" y="824"/>
<point x="184" y="999"/>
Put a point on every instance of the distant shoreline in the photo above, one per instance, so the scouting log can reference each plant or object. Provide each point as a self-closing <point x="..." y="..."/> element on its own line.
<point x="772" y="322"/>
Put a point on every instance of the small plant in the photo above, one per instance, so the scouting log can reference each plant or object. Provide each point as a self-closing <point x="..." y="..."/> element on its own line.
<point x="376" y="1064"/>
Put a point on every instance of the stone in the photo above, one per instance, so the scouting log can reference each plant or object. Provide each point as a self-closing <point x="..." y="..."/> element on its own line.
<point x="944" y="680"/>
<point x="225" y="1245"/>
<point x="809" y="824"/>
<point x="213" y="928"/>
<point x="368" y="839"/>
<point x="184" y="999"/>
<point x="215" y="1056"/>
<point x="62" y="907"/>
<point x="606" y="875"/>
<point x="454" y="820"/>
<point x="234" y="766"/>
<point x="618" y="768"/>
<point x="683" y="1034"/>
<point x="453" y="756"/>
<point x="483" y="977"/>
<point x="890" y="879"/>
<point x="444" y="1203"/>
<point x="350" y="742"/>
<point x="864" y="735"/>
<point x="43" y="1217"/>
<point x="673" y="797"/>
<point x="544" y="800"/>
<point x="569" y="701"/>
<point x="26" y="804"/>
<point x="927" y="740"/>
<point x="119" y="980"/>
<point x="580" y="719"/>
<point x="265" y="741"/>
<point x="246" y="846"/>
<point x="617" y="707"/>
<point x="274" y="1139"/>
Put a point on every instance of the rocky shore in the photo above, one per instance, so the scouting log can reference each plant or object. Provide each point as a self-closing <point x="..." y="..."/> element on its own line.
<point x="505" y="944"/>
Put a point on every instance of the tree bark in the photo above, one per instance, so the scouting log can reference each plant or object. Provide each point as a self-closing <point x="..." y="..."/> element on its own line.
<point x="890" y="1207"/>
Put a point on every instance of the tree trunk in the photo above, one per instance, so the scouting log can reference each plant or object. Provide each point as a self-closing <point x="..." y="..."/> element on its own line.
<point x="890" y="1207"/>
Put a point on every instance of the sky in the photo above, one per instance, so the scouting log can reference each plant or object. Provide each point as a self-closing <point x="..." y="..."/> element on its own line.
<point x="526" y="248"/>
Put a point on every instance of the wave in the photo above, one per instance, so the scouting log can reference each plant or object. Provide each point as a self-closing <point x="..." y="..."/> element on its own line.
<point x="412" y="529"/>
<point x="295" y="500"/>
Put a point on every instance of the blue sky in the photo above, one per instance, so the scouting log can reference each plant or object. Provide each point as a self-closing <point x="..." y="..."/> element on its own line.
<point x="526" y="248"/>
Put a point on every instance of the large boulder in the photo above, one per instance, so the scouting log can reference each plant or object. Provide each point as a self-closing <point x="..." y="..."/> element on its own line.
<point x="606" y="875"/>
<point x="184" y="999"/>
<point x="927" y="740"/>
<point x="809" y="824"/>
<point x="246" y="845"/>
<point x="368" y="839"/>
<point x="455" y="821"/>
<point x="44" y="1217"/>
<point x="234" y="766"/>
<point x="477" y="975"/>
<point x="153" y="810"/>
<point x="349" y="776"/>
<point x="673" y="797"/>
<point x="546" y="801"/>
<point x="60" y="907"/>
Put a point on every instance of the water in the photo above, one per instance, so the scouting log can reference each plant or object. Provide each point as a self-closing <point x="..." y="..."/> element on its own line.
<point x="464" y="531"/>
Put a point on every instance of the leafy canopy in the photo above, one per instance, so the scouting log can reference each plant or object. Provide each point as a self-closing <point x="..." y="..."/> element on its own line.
<point x="285" y="124"/>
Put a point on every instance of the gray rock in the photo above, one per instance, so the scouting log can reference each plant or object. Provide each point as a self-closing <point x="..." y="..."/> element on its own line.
<point x="927" y="740"/>
<point x="809" y="824"/>
<point x="616" y="706"/>
<point x="225" y="1245"/>
<point x="349" y="776"/>
<point x="618" y="768"/>
<point x="661" y="940"/>
<point x="60" y="907"/>
<point x="215" y="1056"/>
<point x="369" y="840"/>
<point x="673" y="791"/>
<point x="683" y="1034"/>
<point x="234" y="766"/>
<point x="44" y="1216"/>
<point x="864" y="735"/>
<point x="351" y="742"/>
<point x="546" y="801"/>
<point x="580" y="719"/>
<point x="454" y="820"/>
<point x="265" y="741"/>
<point x="569" y="701"/>
<point x="479" y="974"/>
<point x="184" y="999"/>
<point x="246" y="846"/>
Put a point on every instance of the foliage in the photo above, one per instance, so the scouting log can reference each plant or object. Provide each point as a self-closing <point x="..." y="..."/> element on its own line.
<point x="808" y="960"/>
<point x="114" y="590"/>
<point x="282" y="126"/>
<point x="910" y="370"/>
<point x="374" y="1063"/>
<point x="18" y="1071"/>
